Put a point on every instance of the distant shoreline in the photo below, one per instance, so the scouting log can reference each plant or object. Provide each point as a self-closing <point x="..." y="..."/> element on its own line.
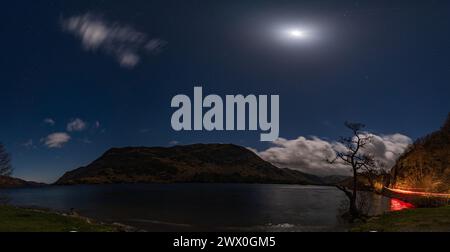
<point x="162" y="183"/>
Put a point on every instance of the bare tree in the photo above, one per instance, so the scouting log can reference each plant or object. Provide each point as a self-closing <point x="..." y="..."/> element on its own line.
<point x="354" y="156"/>
<point x="6" y="168"/>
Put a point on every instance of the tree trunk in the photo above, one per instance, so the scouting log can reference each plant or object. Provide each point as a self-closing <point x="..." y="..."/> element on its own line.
<point x="353" y="208"/>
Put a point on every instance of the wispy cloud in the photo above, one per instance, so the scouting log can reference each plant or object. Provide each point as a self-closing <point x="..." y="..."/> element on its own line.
<point x="174" y="142"/>
<point x="311" y="154"/>
<point x="29" y="144"/>
<point x="144" y="130"/>
<point x="56" y="140"/>
<point x="97" y="124"/>
<point x="126" y="44"/>
<point x="76" y="124"/>
<point x="86" y="140"/>
<point x="49" y="121"/>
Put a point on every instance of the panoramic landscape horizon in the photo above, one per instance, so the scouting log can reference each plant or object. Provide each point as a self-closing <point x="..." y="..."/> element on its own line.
<point x="98" y="76"/>
<point x="225" y="116"/>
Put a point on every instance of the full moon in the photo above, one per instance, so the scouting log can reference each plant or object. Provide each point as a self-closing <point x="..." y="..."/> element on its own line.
<point x="296" y="33"/>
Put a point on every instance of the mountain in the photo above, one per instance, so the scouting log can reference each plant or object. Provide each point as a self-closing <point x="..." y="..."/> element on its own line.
<point x="225" y="163"/>
<point x="10" y="182"/>
<point x="426" y="165"/>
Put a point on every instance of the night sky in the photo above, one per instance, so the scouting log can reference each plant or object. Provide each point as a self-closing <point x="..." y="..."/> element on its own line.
<point x="383" y="63"/>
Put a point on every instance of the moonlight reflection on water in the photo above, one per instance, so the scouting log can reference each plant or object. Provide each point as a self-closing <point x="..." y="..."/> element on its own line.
<point x="200" y="207"/>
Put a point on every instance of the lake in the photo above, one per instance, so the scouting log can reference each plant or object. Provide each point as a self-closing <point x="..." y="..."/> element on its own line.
<point x="200" y="207"/>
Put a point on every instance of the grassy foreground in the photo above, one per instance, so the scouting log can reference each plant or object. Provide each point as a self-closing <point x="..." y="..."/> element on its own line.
<point x="13" y="219"/>
<point x="412" y="220"/>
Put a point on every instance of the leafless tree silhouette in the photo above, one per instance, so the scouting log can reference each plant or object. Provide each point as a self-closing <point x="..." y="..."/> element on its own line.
<point x="357" y="159"/>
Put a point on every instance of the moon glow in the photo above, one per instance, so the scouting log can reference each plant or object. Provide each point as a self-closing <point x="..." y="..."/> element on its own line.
<point x="296" y="33"/>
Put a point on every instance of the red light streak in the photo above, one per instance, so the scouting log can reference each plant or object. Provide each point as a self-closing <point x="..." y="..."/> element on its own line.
<point x="426" y="194"/>
<point x="398" y="205"/>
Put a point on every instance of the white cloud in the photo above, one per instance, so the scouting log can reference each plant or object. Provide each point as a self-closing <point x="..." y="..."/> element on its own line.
<point x="49" y="121"/>
<point x="123" y="42"/>
<point x="56" y="140"/>
<point x="311" y="154"/>
<point x="387" y="148"/>
<point x="76" y="125"/>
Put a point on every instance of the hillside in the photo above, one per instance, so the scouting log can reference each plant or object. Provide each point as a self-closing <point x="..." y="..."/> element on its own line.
<point x="10" y="182"/>
<point x="426" y="165"/>
<point x="191" y="163"/>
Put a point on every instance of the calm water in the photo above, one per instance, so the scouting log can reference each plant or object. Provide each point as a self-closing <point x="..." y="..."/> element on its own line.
<point x="200" y="207"/>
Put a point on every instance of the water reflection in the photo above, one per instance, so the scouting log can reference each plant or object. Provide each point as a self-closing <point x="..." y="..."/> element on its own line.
<point x="398" y="205"/>
<point x="202" y="207"/>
